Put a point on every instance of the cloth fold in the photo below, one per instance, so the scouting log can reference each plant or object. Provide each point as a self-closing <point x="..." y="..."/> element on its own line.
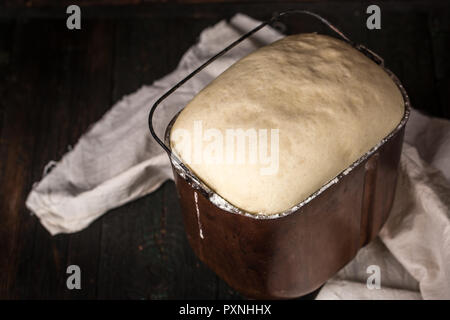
<point x="117" y="161"/>
<point x="413" y="247"/>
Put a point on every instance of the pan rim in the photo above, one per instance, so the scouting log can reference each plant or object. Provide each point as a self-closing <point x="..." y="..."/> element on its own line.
<point x="195" y="182"/>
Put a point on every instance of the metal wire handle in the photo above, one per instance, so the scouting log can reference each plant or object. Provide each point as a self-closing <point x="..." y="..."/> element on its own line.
<point x="274" y="18"/>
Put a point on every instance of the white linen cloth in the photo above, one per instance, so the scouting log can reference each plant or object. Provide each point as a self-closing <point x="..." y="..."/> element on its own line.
<point x="117" y="161"/>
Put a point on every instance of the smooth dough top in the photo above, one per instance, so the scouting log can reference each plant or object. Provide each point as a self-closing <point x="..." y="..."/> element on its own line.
<point x="329" y="102"/>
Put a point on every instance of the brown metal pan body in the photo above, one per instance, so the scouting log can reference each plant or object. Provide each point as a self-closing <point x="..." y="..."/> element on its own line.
<point x="293" y="255"/>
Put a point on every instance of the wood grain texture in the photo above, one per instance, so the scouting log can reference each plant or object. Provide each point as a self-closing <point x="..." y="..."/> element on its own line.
<point x="54" y="83"/>
<point x="47" y="109"/>
<point x="439" y="29"/>
<point x="60" y="3"/>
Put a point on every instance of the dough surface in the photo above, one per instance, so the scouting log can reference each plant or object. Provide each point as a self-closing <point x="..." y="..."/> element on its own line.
<point x="329" y="102"/>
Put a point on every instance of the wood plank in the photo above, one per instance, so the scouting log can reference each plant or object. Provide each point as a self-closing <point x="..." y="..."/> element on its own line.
<point x="95" y="66"/>
<point x="9" y="221"/>
<point x="47" y="3"/>
<point x="24" y="94"/>
<point x="440" y="39"/>
<point x="145" y="254"/>
<point x="149" y="232"/>
<point x="47" y="111"/>
<point x="405" y="45"/>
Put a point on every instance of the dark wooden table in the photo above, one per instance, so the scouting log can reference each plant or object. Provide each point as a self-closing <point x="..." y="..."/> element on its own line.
<point x="54" y="83"/>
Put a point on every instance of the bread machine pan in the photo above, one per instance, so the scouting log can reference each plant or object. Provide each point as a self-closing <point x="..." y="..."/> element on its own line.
<point x="293" y="253"/>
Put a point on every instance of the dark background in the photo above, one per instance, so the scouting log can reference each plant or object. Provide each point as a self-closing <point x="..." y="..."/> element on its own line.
<point x="55" y="82"/>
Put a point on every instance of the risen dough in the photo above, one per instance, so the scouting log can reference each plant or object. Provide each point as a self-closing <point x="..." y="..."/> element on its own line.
<point x="330" y="103"/>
